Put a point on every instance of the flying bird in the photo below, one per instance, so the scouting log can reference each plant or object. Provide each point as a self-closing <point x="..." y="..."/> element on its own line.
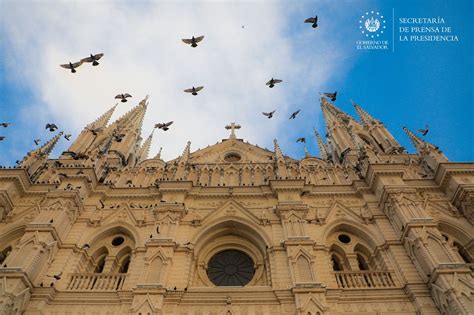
<point x="313" y="21"/>
<point x="95" y="131"/>
<point x="193" y="90"/>
<point x="164" y="126"/>
<point x="67" y="137"/>
<point x="424" y="131"/>
<point x="269" y="115"/>
<point x="303" y="140"/>
<point x="72" y="66"/>
<point x="93" y="59"/>
<point x="5" y="125"/>
<point x="2" y="138"/>
<point x="293" y="116"/>
<point x="57" y="277"/>
<point x="37" y="141"/>
<point x="272" y="82"/>
<point x="122" y="97"/>
<point x="193" y="41"/>
<point x="332" y="96"/>
<point x="51" y="127"/>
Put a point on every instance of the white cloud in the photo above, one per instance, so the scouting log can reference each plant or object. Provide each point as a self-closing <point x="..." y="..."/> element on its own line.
<point x="144" y="55"/>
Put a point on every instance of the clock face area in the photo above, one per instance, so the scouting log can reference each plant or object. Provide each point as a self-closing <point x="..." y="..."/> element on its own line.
<point x="230" y="268"/>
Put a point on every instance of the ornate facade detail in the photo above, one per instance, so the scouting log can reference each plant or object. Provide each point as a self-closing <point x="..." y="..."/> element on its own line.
<point x="234" y="228"/>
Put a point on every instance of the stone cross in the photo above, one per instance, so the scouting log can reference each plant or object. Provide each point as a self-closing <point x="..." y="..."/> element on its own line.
<point x="232" y="128"/>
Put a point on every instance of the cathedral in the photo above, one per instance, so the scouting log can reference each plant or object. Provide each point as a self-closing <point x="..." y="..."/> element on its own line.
<point x="235" y="229"/>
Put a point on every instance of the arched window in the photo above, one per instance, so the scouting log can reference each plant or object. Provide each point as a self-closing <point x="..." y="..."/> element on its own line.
<point x="362" y="262"/>
<point x="336" y="263"/>
<point x="100" y="264"/>
<point x="125" y="264"/>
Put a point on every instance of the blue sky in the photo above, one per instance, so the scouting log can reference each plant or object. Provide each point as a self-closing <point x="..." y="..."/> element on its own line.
<point x="246" y="43"/>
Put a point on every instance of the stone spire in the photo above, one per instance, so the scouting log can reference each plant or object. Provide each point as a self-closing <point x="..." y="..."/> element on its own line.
<point x="186" y="152"/>
<point x="183" y="160"/>
<point x="280" y="160"/>
<point x="35" y="158"/>
<point x="366" y="119"/>
<point x="126" y="132"/>
<point x="278" y="154"/>
<point x="141" y="107"/>
<point x="321" y="145"/>
<point x="145" y="148"/>
<point x="89" y="134"/>
<point x="158" y="155"/>
<point x="430" y="154"/>
<point x="103" y="120"/>
<point x="306" y="152"/>
<point x="417" y="142"/>
<point x="329" y="117"/>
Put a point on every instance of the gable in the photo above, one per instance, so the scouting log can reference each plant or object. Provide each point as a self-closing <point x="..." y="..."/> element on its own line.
<point x="231" y="151"/>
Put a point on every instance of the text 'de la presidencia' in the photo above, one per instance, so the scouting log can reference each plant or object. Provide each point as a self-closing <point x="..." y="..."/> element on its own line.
<point x="425" y="29"/>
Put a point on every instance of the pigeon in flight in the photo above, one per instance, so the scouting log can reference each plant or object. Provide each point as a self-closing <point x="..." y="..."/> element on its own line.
<point x="122" y="97"/>
<point x="193" y="41"/>
<point x="193" y="90"/>
<point x="303" y="140"/>
<point x="67" y="137"/>
<point x="37" y="141"/>
<point x="57" y="277"/>
<point x="332" y="96"/>
<point x="95" y="131"/>
<point x="5" y="125"/>
<point x="51" y="127"/>
<point x="424" y="131"/>
<point x="272" y="82"/>
<point x="313" y="21"/>
<point x="72" y="66"/>
<point x="293" y="116"/>
<point x="164" y="126"/>
<point x="270" y="114"/>
<point x="93" y="59"/>
<point x="2" y="138"/>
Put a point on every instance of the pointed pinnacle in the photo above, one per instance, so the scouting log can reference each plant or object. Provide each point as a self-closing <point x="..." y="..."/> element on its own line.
<point x="306" y="153"/>
<point x="102" y="121"/>
<point x="364" y="116"/>
<point x="129" y="115"/>
<point x="158" y="155"/>
<point x="277" y="150"/>
<point x="186" y="152"/>
<point x="321" y="145"/>
<point x="417" y="142"/>
<point x="145" y="148"/>
<point x="49" y="146"/>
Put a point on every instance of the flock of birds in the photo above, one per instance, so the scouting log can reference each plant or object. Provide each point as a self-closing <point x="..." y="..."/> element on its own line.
<point x="193" y="42"/>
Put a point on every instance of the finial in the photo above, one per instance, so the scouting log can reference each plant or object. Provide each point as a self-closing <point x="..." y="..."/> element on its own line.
<point x="306" y="153"/>
<point x="158" y="156"/>
<point x="232" y="128"/>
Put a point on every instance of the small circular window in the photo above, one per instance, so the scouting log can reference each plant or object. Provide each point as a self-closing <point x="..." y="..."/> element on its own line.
<point x="118" y="241"/>
<point x="230" y="268"/>
<point x="344" y="238"/>
<point x="232" y="157"/>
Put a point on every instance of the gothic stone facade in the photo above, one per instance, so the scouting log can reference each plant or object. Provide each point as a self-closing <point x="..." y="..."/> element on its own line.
<point x="366" y="228"/>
